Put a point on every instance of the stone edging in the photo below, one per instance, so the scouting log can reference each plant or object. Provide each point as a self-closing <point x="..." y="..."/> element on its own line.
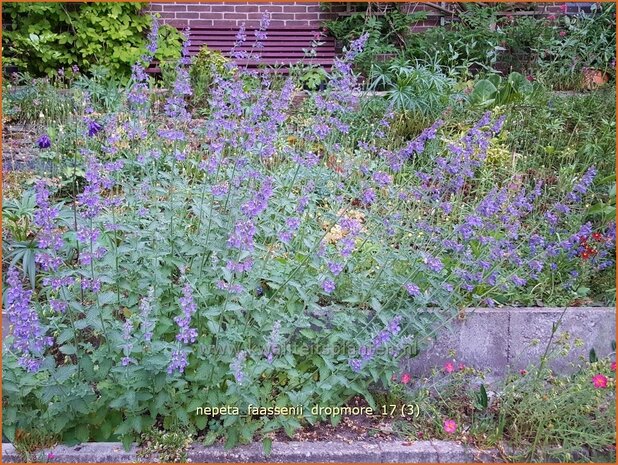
<point x="299" y="452"/>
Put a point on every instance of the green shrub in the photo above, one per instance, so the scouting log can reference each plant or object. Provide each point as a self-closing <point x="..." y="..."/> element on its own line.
<point x="206" y="65"/>
<point x="41" y="38"/>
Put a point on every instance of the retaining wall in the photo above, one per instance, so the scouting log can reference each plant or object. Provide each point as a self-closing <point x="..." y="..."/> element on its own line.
<point x="501" y="338"/>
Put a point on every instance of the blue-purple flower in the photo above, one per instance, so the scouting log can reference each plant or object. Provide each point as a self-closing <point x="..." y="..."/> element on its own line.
<point x="44" y="142"/>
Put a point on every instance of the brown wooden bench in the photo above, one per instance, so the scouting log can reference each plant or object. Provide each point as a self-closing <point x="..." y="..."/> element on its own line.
<point x="281" y="49"/>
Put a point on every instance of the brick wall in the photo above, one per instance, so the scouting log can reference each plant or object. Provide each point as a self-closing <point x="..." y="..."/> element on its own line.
<point x="232" y="14"/>
<point x="294" y="14"/>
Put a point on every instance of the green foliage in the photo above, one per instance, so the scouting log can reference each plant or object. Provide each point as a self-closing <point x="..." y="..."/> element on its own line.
<point x="414" y="88"/>
<point x="41" y="38"/>
<point x="165" y="446"/>
<point x="494" y="90"/>
<point x="535" y="414"/>
<point x="587" y="40"/>
<point x="17" y="222"/>
<point x="471" y="44"/>
<point x="206" y="65"/>
<point x="387" y="30"/>
<point x="311" y="77"/>
<point x="38" y="100"/>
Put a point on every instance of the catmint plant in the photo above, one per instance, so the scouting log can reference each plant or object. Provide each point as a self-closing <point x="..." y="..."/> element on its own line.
<point x="262" y="258"/>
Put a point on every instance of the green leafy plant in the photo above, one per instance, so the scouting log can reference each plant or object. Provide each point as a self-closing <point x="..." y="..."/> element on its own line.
<point x="493" y="90"/>
<point x="206" y="65"/>
<point x="386" y="25"/>
<point x="586" y="40"/>
<point x="416" y="88"/>
<point x="533" y="414"/>
<point x="41" y="38"/>
<point x="311" y="77"/>
<point x="472" y="44"/>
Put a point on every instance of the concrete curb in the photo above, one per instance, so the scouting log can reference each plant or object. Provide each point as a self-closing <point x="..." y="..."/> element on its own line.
<point x="295" y="452"/>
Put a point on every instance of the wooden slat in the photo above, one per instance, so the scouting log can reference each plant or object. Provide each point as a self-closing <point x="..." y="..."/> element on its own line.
<point x="282" y="47"/>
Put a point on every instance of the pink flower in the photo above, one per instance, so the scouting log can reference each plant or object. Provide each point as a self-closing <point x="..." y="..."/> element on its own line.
<point x="461" y="367"/>
<point x="563" y="8"/>
<point x="406" y="378"/>
<point x="523" y="372"/>
<point x="551" y="17"/>
<point x="50" y="456"/>
<point x="562" y="33"/>
<point x="449" y="367"/>
<point x="450" y="426"/>
<point x="614" y="365"/>
<point x="599" y="381"/>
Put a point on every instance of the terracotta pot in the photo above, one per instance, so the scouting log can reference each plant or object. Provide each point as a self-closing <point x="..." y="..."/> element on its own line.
<point x="594" y="78"/>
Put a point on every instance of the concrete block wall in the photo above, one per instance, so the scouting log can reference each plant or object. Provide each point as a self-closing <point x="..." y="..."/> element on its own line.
<point x="504" y="339"/>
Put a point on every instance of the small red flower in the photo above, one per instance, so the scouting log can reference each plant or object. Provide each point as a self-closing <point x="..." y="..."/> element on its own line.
<point x="583" y="240"/>
<point x="614" y="365"/>
<point x="523" y="372"/>
<point x="450" y="426"/>
<point x="551" y="17"/>
<point x="597" y="236"/>
<point x="563" y="8"/>
<point x="562" y="33"/>
<point x="406" y="378"/>
<point x="461" y="367"/>
<point x="449" y="367"/>
<point x="599" y="381"/>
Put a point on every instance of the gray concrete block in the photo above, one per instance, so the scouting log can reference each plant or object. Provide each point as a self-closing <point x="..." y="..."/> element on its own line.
<point x="479" y="340"/>
<point x="500" y="339"/>
<point x="595" y="326"/>
<point x="414" y="452"/>
<point x="451" y="452"/>
<point x="90" y="452"/>
<point x="327" y="451"/>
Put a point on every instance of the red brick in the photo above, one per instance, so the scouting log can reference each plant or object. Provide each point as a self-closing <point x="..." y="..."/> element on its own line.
<point x="313" y="8"/>
<point x="246" y="8"/>
<point x="166" y="15"/>
<point x="168" y="7"/>
<point x="222" y="8"/>
<point x="187" y="15"/>
<point x="231" y="16"/>
<point x="272" y="8"/>
<point x="294" y="23"/>
<point x="200" y="8"/>
<point x="308" y="16"/>
<point x="296" y="9"/>
<point x="211" y="16"/>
